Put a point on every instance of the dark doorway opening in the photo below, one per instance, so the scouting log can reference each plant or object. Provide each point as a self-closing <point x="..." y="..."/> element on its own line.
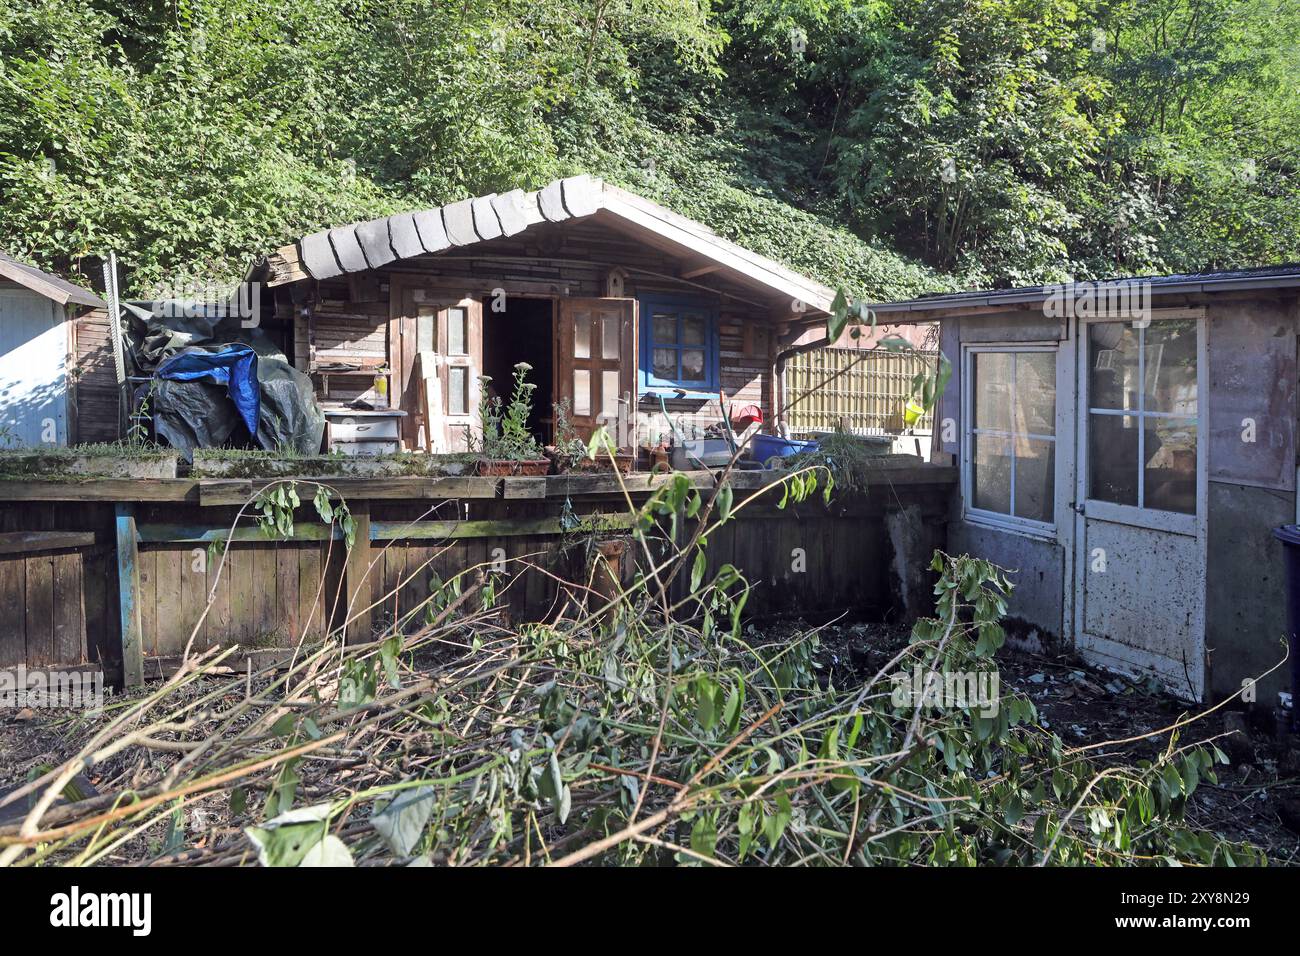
<point x="524" y="331"/>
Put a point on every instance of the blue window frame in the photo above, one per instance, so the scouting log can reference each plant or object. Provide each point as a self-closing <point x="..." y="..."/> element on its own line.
<point x="679" y="345"/>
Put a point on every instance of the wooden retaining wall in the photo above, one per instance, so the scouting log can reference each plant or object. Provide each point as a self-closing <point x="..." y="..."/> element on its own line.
<point x="87" y="583"/>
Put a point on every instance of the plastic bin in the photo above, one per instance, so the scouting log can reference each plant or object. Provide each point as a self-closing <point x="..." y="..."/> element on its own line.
<point x="764" y="448"/>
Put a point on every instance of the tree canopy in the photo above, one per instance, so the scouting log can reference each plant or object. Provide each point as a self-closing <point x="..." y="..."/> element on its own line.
<point x="889" y="146"/>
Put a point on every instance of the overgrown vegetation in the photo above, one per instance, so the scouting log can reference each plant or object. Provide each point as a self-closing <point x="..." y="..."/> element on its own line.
<point x="891" y="147"/>
<point x="651" y="728"/>
<point x="505" y="434"/>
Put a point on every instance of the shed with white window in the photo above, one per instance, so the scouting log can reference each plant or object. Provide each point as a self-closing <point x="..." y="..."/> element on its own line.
<point x="38" y="353"/>
<point x="1126" y="448"/>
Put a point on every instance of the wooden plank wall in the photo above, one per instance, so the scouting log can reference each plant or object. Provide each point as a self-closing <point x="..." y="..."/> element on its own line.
<point x="262" y="595"/>
<point x="60" y="607"/>
<point x="95" y="382"/>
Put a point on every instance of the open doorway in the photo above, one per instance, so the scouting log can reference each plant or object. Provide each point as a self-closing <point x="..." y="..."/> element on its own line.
<point x="524" y="331"/>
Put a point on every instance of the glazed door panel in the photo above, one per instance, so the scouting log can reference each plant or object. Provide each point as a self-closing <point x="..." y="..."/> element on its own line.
<point x="438" y="357"/>
<point x="595" y="366"/>
<point x="1141" y="493"/>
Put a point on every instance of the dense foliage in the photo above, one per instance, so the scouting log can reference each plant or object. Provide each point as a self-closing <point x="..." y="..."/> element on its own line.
<point x="888" y="146"/>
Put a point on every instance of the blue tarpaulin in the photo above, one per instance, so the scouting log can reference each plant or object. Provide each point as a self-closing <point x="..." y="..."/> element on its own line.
<point x="234" y="366"/>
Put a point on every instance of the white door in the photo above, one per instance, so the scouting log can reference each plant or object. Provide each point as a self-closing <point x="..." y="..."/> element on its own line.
<point x="1140" y="497"/>
<point x="33" y="380"/>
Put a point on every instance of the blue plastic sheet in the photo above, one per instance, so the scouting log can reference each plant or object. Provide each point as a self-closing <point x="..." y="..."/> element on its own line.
<point x="234" y="366"/>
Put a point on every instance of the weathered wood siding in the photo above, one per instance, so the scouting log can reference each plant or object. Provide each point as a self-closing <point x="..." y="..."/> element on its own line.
<point x="61" y="607"/>
<point x="351" y="313"/>
<point x="57" y="606"/>
<point x="94" y="388"/>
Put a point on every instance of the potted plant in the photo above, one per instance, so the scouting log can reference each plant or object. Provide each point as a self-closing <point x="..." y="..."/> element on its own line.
<point x="569" y="453"/>
<point x="507" y="446"/>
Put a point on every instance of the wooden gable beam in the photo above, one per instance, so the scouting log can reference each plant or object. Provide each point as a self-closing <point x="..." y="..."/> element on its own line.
<point x="698" y="267"/>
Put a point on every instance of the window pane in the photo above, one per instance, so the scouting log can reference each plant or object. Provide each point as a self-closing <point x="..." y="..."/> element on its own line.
<point x="1035" y="479"/>
<point x="609" y="335"/>
<point x="457" y="390"/>
<point x="991" y="389"/>
<point x="582" y="335"/>
<point x="1112" y="365"/>
<point x="424" y="326"/>
<point x="693" y="365"/>
<point x="1170" y="472"/>
<point x="1171" y="367"/>
<point x="1113" y="458"/>
<point x="665" y="363"/>
<point x="991" y="473"/>
<point x="609" y="395"/>
<point x="1035" y="399"/>
<point x="693" y="329"/>
<point x="665" y="328"/>
<point x="581" y="391"/>
<point x="455" y="331"/>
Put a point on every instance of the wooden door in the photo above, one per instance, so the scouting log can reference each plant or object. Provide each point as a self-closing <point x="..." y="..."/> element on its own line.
<point x="436" y="347"/>
<point x="595" y="366"/>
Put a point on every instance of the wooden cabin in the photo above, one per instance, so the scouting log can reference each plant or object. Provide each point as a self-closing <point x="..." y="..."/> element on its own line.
<point x="623" y="309"/>
<point x="43" y="347"/>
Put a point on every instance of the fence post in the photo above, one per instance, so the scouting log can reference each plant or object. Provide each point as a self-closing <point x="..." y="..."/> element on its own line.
<point x="128" y="589"/>
<point x="357" y="584"/>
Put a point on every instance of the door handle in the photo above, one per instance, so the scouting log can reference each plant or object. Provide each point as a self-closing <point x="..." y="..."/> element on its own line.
<point x="1076" y="507"/>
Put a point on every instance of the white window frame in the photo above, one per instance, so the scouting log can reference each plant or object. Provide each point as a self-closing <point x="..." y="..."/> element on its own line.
<point x="1143" y="516"/>
<point x="981" y="516"/>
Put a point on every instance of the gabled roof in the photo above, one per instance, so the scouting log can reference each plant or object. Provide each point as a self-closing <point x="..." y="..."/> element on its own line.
<point x="43" y="283"/>
<point x="369" y="245"/>
<point x="1286" y="275"/>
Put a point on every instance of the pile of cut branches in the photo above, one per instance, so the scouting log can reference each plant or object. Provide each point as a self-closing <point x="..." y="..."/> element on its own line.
<point x="650" y="728"/>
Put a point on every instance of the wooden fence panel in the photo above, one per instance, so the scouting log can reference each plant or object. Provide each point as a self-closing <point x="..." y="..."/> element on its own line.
<point x="863" y="390"/>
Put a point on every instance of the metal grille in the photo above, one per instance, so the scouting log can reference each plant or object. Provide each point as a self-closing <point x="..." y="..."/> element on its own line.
<point x="864" y="391"/>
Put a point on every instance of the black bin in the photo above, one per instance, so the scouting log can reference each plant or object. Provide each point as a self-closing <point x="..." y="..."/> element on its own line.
<point x="1289" y="535"/>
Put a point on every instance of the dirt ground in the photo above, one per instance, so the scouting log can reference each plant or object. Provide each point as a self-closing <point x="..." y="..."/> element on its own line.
<point x="1257" y="798"/>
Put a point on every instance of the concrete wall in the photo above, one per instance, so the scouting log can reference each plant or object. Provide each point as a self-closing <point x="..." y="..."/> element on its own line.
<point x="1038" y="567"/>
<point x="1039" y="563"/>
<point x="1245" y="593"/>
<point x="1252" y="356"/>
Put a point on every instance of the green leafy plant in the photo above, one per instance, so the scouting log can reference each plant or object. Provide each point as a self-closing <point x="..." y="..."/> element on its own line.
<point x="844" y="457"/>
<point x="276" y="503"/>
<point x="569" y="448"/>
<point x="505" y="426"/>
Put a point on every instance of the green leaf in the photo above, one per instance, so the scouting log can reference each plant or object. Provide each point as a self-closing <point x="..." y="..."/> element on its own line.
<point x="402" y="822"/>
<point x="725" y="495"/>
<point x="283" y="727"/>
<point x="331" y="851"/>
<point x="697" y="570"/>
<point x="285" y="840"/>
<point x="704" y="834"/>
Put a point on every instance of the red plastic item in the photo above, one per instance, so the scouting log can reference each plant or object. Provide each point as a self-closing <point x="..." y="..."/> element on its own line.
<point x="746" y="415"/>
